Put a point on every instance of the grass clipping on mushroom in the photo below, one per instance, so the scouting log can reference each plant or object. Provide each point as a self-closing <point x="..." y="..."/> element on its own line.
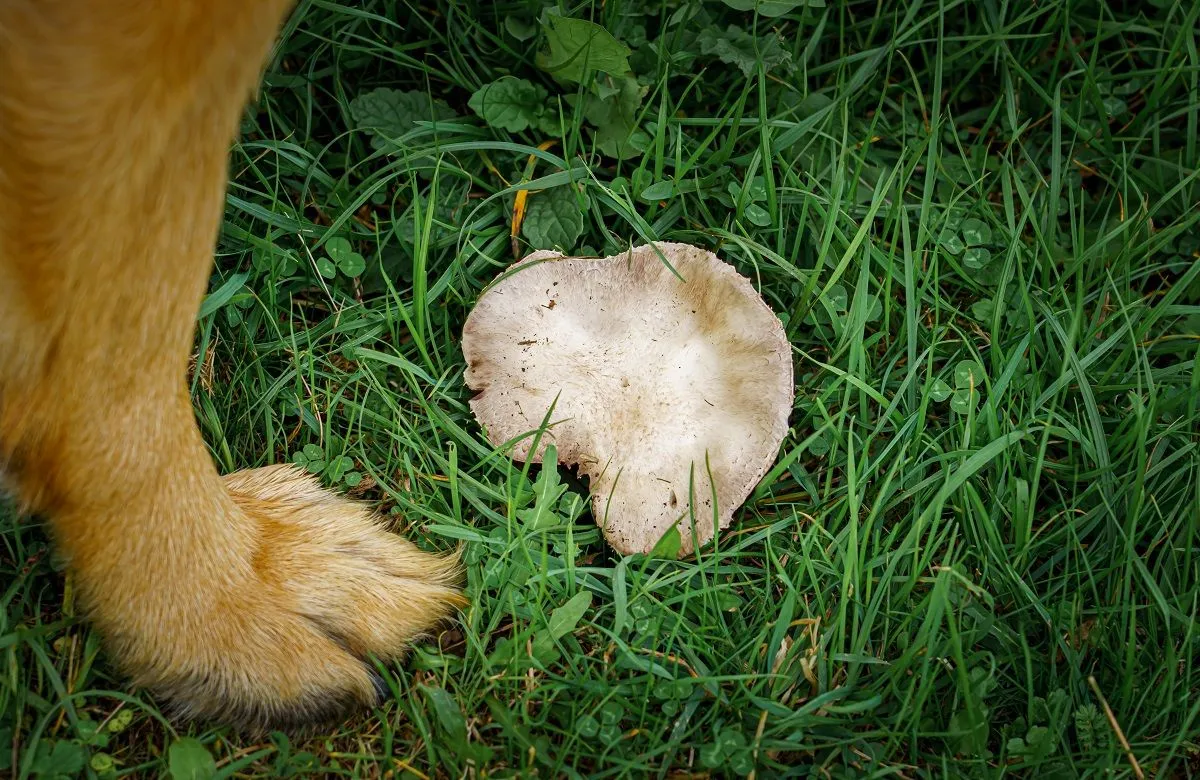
<point x="670" y="390"/>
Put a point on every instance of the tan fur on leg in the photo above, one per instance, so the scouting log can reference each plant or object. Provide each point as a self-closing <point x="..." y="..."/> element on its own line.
<point x="255" y="598"/>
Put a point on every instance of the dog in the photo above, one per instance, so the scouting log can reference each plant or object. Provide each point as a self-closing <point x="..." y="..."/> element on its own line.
<point x="256" y="599"/>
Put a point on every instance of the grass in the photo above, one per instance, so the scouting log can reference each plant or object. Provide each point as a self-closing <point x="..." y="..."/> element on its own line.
<point x="979" y="223"/>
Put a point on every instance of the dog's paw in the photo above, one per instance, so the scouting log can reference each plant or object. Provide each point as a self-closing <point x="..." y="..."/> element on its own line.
<point x="280" y="634"/>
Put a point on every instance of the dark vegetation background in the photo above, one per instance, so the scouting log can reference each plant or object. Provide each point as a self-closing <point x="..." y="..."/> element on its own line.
<point x="978" y="221"/>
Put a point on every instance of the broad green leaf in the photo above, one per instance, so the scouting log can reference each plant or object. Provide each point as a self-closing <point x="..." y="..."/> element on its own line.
<point x="313" y="452"/>
<point x="605" y="87"/>
<point x="90" y="734"/>
<point x="390" y="113"/>
<point x="983" y="310"/>
<point x="1057" y="704"/>
<point x="513" y="104"/>
<point x="1037" y="735"/>
<point x="58" y="758"/>
<point x="564" y="619"/>
<point x="449" y="716"/>
<point x="543" y="649"/>
<point x="735" y="46"/>
<point x="667" y="547"/>
<point x="506" y="649"/>
<point x="518" y="29"/>
<point x="577" y="46"/>
<point x="554" y="219"/>
<point x="970" y="729"/>
<point x="615" y="117"/>
<point x="326" y="268"/>
<point x="772" y="7"/>
<point x="188" y="759"/>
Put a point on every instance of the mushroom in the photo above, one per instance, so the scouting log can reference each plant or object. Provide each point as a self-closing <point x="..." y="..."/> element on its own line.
<point x="671" y="393"/>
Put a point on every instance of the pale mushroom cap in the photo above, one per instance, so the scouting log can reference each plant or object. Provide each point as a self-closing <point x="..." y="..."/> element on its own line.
<point x="654" y="379"/>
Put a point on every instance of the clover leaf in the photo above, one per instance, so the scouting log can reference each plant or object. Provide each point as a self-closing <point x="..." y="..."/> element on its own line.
<point x="975" y="232"/>
<point x="349" y="262"/>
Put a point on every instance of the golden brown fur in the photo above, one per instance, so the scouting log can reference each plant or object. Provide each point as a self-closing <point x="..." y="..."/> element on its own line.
<point x="254" y="598"/>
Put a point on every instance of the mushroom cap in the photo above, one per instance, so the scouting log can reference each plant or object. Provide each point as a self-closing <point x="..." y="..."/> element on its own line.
<point x="666" y="393"/>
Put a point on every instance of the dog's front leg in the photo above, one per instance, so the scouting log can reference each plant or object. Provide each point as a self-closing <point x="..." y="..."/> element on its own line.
<point x="256" y="598"/>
